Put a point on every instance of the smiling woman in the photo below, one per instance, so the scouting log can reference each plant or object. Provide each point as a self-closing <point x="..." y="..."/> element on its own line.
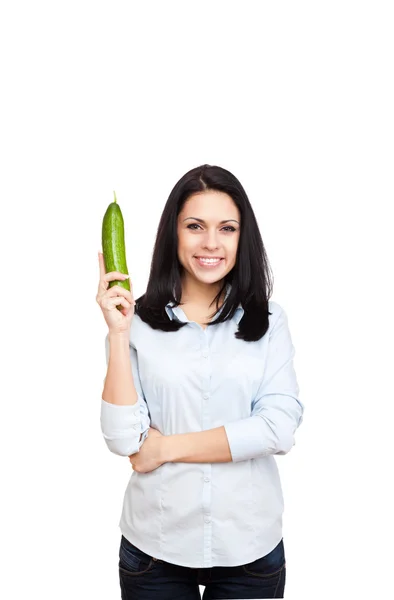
<point x="215" y="398"/>
<point x="208" y="216"/>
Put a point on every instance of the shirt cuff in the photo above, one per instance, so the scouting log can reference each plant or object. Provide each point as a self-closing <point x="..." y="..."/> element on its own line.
<point x="245" y="438"/>
<point x="121" y="426"/>
<point x="144" y="436"/>
<point x="120" y="419"/>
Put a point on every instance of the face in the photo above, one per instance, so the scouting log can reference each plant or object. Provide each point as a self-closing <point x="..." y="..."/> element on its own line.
<point x="201" y="234"/>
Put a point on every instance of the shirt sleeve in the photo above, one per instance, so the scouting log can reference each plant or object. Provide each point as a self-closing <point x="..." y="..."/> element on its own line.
<point x="276" y="410"/>
<point x="122" y="426"/>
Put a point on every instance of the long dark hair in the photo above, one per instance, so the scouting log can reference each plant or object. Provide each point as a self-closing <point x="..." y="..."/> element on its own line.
<point x="250" y="279"/>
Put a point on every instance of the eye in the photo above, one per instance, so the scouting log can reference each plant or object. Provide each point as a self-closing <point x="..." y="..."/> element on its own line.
<point x="228" y="227"/>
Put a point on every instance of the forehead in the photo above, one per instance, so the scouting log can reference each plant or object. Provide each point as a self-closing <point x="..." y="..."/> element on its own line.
<point x="210" y="204"/>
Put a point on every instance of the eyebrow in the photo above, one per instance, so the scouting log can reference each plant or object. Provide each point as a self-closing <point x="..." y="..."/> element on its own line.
<point x="202" y="220"/>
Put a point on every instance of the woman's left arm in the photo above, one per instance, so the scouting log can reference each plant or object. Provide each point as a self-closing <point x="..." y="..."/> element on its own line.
<point x="210" y="446"/>
<point x="276" y="414"/>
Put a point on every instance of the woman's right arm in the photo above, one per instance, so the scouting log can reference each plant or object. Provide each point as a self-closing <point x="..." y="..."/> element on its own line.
<point x="124" y="413"/>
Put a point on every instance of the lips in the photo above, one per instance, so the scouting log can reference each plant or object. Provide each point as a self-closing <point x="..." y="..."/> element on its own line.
<point x="208" y="265"/>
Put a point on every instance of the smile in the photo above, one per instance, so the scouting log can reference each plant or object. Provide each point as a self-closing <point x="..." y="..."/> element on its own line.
<point x="209" y="263"/>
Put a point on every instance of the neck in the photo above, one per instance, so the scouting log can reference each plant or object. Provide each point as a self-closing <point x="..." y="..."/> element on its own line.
<point x="201" y="294"/>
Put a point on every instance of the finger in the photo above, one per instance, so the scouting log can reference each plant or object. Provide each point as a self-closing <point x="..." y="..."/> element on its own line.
<point x="101" y="265"/>
<point x="118" y="300"/>
<point x="117" y="290"/>
<point x="126" y="312"/>
<point x="115" y="275"/>
<point x="103" y="285"/>
<point x="116" y="294"/>
<point x="108" y="302"/>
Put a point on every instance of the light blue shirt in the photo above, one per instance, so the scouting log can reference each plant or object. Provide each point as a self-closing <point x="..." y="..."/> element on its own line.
<point x="203" y="515"/>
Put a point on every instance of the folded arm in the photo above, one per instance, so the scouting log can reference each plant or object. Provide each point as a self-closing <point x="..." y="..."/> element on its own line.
<point x="276" y="414"/>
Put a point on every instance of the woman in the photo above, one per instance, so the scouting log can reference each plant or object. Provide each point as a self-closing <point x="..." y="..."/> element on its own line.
<point x="201" y="400"/>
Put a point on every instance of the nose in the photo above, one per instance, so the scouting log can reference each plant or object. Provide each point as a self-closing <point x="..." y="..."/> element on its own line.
<point x="211" y="242"/>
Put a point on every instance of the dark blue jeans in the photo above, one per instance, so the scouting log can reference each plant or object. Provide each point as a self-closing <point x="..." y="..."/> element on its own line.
<point x="143" y="577"/>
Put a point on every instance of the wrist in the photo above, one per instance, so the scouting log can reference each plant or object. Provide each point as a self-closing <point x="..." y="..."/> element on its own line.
<point x="119" y="337"/>
<point x="167" y="453"/>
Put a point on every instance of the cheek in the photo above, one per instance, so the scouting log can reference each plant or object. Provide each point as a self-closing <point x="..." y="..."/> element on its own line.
<point x="232" y="250"/>
<point x="184" y="252"/>
<point x="185" y="245"/>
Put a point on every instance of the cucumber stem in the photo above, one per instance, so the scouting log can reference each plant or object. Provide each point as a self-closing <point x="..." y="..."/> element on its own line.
<point x="114" y="196"/>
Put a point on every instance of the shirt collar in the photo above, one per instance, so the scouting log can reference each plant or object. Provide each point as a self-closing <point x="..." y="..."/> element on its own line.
<point x="176" y="312"/>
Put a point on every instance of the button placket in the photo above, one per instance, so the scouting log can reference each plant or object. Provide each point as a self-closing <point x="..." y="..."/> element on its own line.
<point x="206" y="375"/>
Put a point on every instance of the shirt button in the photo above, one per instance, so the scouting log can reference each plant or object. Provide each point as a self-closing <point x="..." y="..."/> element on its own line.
<point x="206" y="396"/>
<point x="207" y="480"/>
<point x="207" y="520"/>
<point x="205" y="353"/>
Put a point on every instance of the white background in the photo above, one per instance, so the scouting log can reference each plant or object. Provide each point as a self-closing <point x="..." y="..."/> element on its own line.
<point x="296" y="99"/>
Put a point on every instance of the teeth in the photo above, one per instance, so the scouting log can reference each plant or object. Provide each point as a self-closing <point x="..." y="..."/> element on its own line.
<point x="210" y="260"/>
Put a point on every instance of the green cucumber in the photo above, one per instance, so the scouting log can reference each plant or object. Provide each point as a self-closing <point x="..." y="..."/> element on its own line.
<point x="114" y="250"/>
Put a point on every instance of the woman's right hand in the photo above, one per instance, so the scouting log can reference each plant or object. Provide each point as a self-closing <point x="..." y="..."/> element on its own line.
<point x="109" y="298"/>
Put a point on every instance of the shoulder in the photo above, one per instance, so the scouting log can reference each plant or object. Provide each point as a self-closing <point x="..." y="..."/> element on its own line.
<point x="136" y="329"/>
<point x="277" y="316"/>
<point x="143" y="335"/>
<point x="275" y="309"/>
